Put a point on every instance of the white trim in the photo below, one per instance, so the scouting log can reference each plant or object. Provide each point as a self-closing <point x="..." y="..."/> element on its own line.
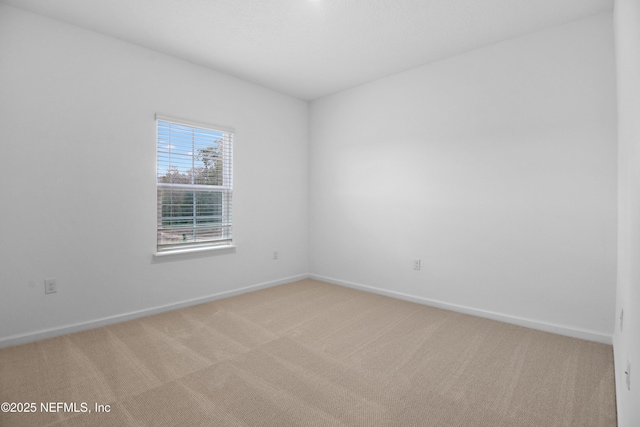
<point x="188" y="251"/>
<point x="110" y="320"/>
<point x="619" y="365"/>
<point x="193" y="123"/>
<point x="528" y="323"/>
<point x="506" y="318"/>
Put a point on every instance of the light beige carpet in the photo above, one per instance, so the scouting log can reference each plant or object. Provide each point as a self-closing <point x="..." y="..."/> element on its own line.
<point x="311" y="354"/>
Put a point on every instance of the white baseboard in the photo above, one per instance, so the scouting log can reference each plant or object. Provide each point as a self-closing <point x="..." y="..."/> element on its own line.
<point x="92" y="324"/>
<point x="514" y="320"/>
<point x="619" y="365"/>
<point x="83" y="326"/>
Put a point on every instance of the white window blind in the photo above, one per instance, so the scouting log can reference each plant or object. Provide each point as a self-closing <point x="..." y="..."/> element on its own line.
<point x="195" y="185"/>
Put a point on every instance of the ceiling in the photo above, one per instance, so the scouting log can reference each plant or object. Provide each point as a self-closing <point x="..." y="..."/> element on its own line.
<point x="312" y="48"/>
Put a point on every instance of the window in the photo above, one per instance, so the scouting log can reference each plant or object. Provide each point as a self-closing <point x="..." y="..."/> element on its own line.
<point x="194" y="170"/>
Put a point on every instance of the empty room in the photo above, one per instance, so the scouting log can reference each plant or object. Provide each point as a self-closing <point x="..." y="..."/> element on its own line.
<point x="320" y="213"/>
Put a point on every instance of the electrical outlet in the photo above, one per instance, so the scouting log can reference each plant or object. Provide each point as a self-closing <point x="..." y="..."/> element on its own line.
<point x="628" y="374"/>
<point x="416" y="264"/>
<point x="50" y="286"/>
<point x="275" y="255"/>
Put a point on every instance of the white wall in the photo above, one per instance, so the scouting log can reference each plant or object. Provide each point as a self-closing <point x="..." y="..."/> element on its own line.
<point x="78" y="161"/>
<point x="626" y="341"/>
<point x="496" y="168"/>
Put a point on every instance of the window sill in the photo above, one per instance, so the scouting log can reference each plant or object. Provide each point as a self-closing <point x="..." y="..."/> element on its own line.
<point x="193" y="251"/>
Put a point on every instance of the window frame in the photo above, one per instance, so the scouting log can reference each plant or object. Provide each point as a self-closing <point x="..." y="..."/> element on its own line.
<point x="226" y="189"/>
